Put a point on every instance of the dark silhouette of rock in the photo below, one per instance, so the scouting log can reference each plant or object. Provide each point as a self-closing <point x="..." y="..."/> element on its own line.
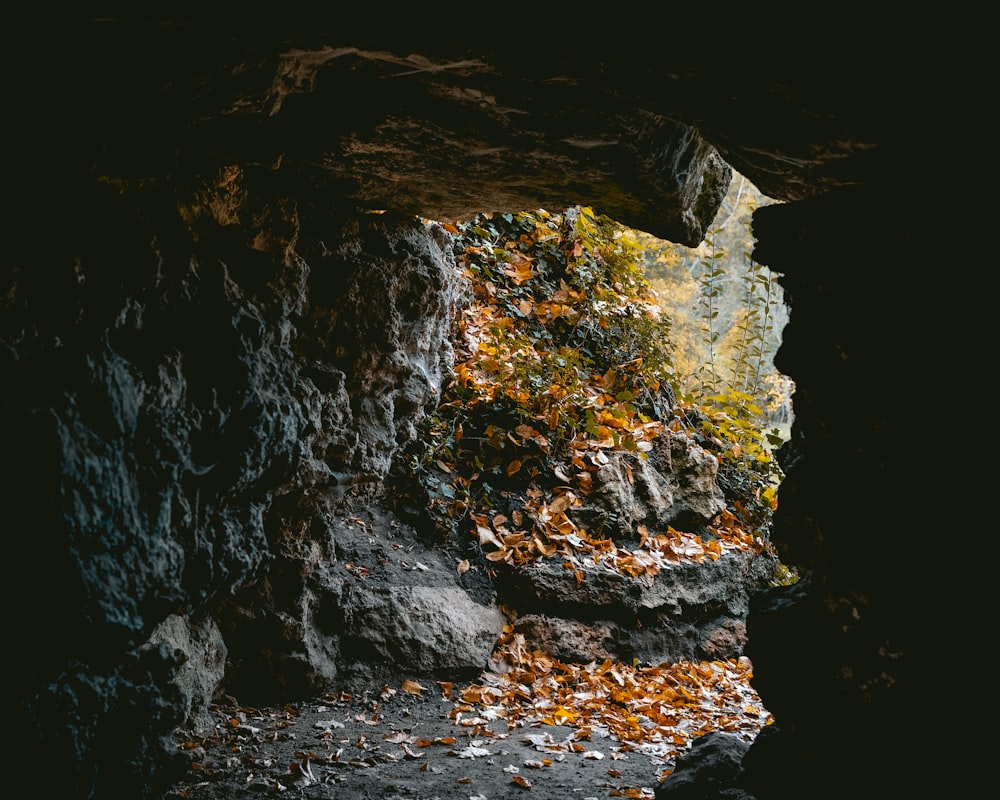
<point x="708" y="771"/>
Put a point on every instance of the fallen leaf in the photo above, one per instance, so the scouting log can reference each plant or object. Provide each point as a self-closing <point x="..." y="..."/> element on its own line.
<point x="412" y="687"/>
<point x="473" y="752"/>
<point x="412" y="754"/>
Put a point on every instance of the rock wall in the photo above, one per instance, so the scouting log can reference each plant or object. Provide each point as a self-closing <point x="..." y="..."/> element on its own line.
<point x="174" y="431"/>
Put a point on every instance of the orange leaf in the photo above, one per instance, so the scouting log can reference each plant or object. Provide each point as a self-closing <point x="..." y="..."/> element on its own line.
<point x="524" y="783"/>
<point x="513" y="467"/>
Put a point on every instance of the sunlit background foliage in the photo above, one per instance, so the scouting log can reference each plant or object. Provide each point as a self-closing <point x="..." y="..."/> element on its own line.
<point x="584" y="338"/>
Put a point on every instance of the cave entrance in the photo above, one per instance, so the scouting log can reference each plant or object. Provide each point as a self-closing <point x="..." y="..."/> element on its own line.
<point x="600" y="501"/>
<point x="727" y="312"/>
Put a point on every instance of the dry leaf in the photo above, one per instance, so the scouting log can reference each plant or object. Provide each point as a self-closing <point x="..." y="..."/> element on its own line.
<point x="411" y="754"/>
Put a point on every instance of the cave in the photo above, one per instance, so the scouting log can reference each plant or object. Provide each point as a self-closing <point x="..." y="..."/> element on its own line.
<point x="177" y="187"/>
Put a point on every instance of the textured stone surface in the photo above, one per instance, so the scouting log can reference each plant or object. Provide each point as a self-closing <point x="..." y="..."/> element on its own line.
<point x="202" y="650"/>
<point x="688" y="611"/>
<point x="676" y="485"/>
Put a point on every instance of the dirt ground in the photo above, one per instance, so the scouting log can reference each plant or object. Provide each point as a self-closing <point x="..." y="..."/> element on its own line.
<point x="403" y="746"/>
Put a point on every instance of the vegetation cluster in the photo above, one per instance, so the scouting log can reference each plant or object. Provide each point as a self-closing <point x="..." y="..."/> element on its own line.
<point x="564" y="360"/>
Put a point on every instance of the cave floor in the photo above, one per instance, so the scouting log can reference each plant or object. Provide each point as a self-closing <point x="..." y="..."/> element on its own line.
<point x="402" y="746"/>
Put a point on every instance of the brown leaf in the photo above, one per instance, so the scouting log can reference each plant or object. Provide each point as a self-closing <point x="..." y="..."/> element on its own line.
<point x="412" y="687"/>
<point x="561" y="503"/>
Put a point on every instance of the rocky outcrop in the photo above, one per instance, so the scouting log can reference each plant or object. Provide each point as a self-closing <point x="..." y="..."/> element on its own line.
<point x="211" y="341"/>
<point x="689" y="611"/>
